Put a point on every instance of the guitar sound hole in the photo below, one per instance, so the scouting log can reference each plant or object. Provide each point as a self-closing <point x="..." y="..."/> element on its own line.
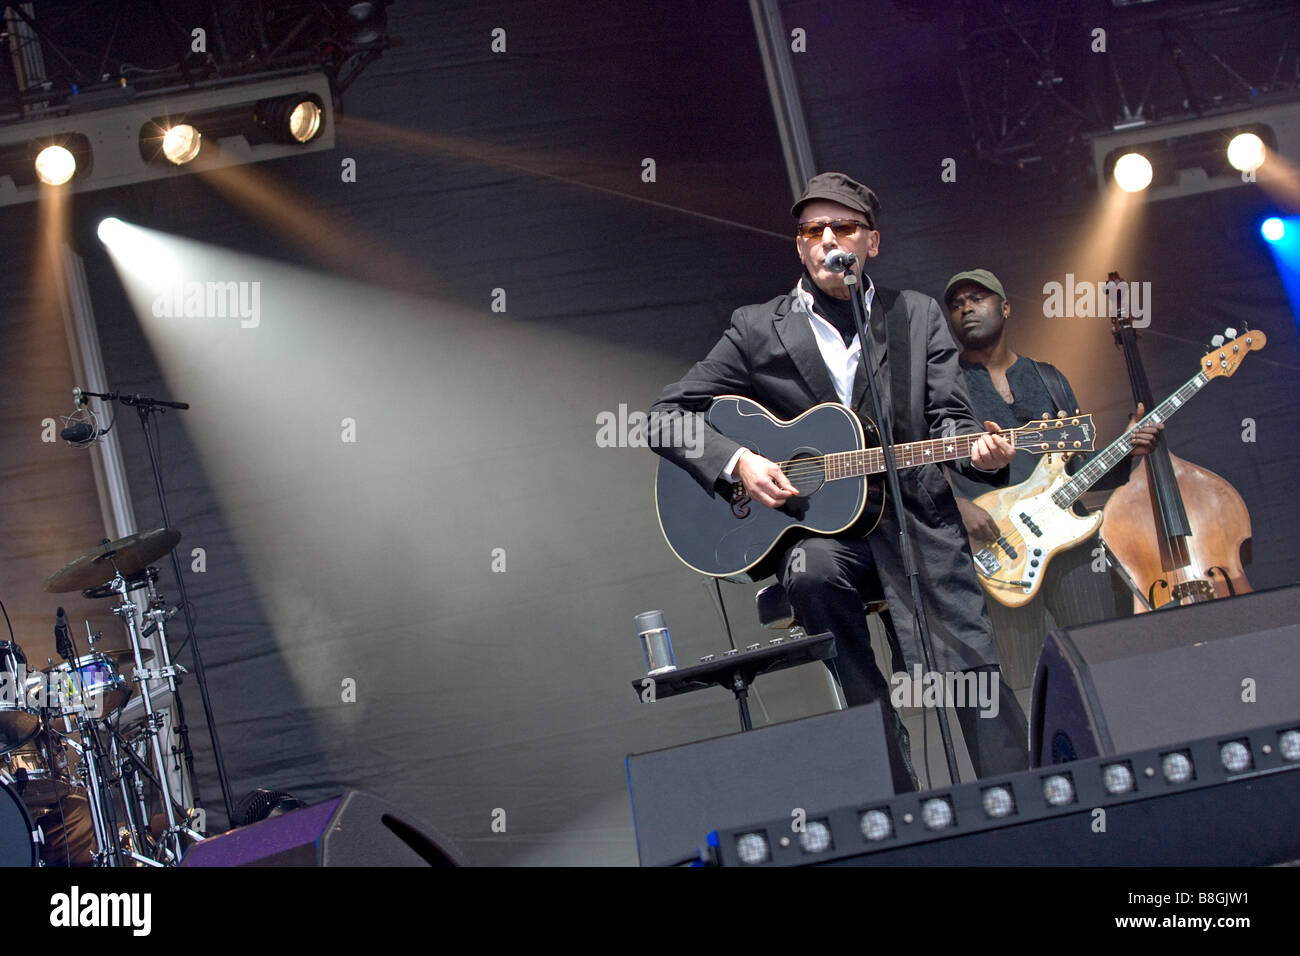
<point x="806" y="471"/>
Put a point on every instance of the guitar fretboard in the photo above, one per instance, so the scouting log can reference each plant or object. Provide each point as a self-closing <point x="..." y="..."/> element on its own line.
<point x="1118" y="450"/>
<point x="871" y="461"/>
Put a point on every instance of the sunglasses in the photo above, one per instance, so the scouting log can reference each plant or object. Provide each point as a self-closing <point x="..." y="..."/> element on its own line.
<point x="843" y="228"/>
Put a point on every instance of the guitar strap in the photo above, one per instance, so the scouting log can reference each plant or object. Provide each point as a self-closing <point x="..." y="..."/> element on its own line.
<point x="1054" y="382"/>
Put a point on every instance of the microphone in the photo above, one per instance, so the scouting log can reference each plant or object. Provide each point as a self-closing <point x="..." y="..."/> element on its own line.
<point x="81" y="433"/>
<point x="837" y="260"/>
<point x="63" y="636"/>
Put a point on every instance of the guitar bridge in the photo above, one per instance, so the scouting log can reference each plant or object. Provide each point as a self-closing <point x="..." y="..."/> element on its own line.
<point x="739" y="500"/>
<point x="988" y="562"/>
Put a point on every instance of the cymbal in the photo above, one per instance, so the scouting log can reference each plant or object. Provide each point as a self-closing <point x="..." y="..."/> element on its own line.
<point x="131" y="555"/>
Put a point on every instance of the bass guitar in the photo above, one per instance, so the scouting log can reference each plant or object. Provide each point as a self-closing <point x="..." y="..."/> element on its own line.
<point x="824" y="455"/>
<point x="1035" y="518"/>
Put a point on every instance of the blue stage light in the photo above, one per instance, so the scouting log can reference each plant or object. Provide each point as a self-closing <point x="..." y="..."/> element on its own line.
<point x="1273" y="229"/>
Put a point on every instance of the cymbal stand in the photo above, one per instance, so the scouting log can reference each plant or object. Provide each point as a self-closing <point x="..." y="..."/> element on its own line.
<point x="136" y="829"/>
<point x="170" y="843"/>
<point x="108" y="851"/>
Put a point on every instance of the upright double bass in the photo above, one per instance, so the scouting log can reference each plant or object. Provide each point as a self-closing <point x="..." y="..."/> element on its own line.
<point x="1178" y="530"/>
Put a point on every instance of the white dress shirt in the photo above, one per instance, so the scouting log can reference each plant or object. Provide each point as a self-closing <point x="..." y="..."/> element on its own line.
<point x="841" y="360"/>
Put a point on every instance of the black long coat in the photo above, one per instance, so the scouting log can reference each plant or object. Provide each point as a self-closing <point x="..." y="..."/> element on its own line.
<point x="769" y="354"/>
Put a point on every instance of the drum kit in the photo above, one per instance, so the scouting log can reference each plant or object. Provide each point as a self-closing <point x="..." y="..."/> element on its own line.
<point x="83" y="774"/>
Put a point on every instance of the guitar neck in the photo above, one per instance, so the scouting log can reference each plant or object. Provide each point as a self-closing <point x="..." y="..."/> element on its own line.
<point x="1118" y="450"/>
<point x="871" y="461"/>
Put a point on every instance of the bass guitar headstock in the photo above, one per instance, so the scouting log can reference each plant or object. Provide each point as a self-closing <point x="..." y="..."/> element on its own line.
<point x="1229" y="350"/>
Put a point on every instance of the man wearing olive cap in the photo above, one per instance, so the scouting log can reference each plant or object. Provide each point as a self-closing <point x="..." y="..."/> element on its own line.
<point x="801" y="349"/>
<point x="1012" y="389"/>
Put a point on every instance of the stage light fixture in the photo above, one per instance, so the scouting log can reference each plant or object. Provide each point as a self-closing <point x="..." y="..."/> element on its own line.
<point x="181" y="144"/>
<point x="1272" y="228"/>
<point x="752" y="849"/>
<point x="1177" y="767"/>
<point x="937" y="814"/>
<point x="1289" y="742"/>
<point x="876" y="825"/>
<point x="224" y="132"/>
<point x="365" y="23"/>
<point x="998" y="802"/>
<point x="1235" y="756"/>
<point x="109" y="228"/>
<point x="298" y="118"/>
<point x="1058" y="790"/>
<point x="1213" y="818"/>
<point x="1246" y="152"/>
<point x="1133" y="172"/>
<point x="816" y="837"/>
<point x="55" y="165"/>
<point x="1220" y="150"/>
<point x="1117" y="778"/>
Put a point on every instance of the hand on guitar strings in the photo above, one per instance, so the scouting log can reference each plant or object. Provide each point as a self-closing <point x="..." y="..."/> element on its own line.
<point x="980" y="525"/>
<point x="764" y="480"/>
<point x="1144" y="439"/>
<point x="992" y="452"/>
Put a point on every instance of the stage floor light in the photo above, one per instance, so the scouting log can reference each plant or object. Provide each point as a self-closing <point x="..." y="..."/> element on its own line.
<point x="1273" y="229"/>
<point x="55" y="165"/>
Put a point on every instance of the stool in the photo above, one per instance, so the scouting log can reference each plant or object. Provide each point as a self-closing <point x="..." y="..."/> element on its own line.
<point x="775" y="612"/>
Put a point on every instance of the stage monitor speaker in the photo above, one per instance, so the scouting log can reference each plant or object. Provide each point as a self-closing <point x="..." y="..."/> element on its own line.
<point x="1168" y="675"/>
<point x="355" y="829"/>
<point x="681" y="794"/>
<point x="1223" y="800"/>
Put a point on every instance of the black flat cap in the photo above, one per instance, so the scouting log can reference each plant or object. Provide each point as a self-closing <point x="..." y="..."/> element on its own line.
<point x="837" y="187"/>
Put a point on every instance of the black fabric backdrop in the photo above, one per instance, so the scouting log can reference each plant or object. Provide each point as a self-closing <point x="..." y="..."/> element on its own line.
<point x="486" y="696"/>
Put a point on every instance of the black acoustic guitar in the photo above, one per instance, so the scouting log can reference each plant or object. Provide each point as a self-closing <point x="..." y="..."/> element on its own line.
<point x="825" y="457"/>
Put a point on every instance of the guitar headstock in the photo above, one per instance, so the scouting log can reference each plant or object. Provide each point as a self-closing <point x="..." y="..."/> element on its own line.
<point x="1071" y="433"/>
<point x="1229" y="349"/>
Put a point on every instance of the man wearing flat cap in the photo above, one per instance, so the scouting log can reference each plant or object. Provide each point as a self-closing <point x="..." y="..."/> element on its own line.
<point x="1012" y="389"/>
<point x="801" y="349"/>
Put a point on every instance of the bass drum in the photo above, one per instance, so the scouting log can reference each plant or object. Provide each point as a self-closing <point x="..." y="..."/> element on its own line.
<point x="17" y="843"/>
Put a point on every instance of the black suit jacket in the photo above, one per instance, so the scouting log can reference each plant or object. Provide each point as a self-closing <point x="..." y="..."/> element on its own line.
<point x="769" y="354"/>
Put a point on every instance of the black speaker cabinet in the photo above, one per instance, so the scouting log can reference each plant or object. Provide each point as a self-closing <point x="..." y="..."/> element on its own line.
<point x="1169" y="675"/>
<point x="355" y="829"/>
<point x="681" y="794"/>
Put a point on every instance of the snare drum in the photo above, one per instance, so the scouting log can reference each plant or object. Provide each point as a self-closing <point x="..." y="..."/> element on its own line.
<point x="19" y="720"/>
<point x="92" y="681"/>
<point x="17" y="834"/>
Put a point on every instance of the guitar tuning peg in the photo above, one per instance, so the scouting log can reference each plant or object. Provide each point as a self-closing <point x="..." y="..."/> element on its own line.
<point x="1217" y="341"/>
<point x="1230" y="333"/>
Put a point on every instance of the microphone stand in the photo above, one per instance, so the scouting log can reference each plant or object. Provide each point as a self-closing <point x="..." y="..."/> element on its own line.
<point x="146" y="407"/>
<point x="904" y="530"/>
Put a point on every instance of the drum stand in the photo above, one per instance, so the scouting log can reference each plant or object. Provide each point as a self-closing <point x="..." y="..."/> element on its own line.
<point x="169" y="845"/>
